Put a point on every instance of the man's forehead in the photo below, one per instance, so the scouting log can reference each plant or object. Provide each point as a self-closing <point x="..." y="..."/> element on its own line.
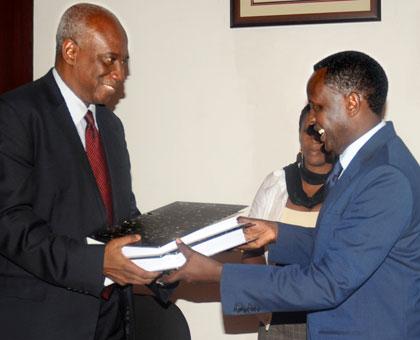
<point x="112" y="41"/>
<point x="103" y="23"/>
<point x="319" y="75"/>
<point x="315" y="81"/>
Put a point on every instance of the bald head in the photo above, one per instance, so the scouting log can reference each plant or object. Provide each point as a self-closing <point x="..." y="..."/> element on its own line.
<point x="92" y="53"/>
<point x="78" y="20"/>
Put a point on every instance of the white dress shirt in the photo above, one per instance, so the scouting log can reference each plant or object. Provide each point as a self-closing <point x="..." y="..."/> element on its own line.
<point x="76" y="107"/>
<point x="351" y="151"/>
<point x="78" y="111"/>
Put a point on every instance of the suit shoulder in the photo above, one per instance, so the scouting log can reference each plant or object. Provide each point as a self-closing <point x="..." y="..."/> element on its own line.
<point x="393" y="168"/>
<point x="37" y="95"/>
<point x="400" y="157"/>
<point x="109" y="117"/>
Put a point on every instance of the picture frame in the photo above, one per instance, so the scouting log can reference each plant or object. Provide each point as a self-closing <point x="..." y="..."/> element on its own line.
<point x="296" y="12"/>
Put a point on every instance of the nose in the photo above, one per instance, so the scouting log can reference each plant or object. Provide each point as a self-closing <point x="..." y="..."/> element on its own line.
<point x="119" y="71"/>
<point x="311" y="117"/>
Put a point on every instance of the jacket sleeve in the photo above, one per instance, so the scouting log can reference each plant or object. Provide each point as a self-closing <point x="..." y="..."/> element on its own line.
<point x="26" y="239"/>
<point x="294" y="245"/>
<point x="134" y="211"/>
<point x="362" y="237"/>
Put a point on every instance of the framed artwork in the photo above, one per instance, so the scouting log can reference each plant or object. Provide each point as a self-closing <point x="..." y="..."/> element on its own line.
<point x="292" y="12"/>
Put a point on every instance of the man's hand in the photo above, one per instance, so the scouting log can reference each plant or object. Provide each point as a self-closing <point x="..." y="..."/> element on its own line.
<point x="258" y="233"/>
<point x="119" y="268"/>
<point x="198" y="268"/>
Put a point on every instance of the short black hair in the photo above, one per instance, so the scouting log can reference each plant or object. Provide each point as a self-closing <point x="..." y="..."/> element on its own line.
<point x="303" y="115"/>
<point x="355" y="71"/>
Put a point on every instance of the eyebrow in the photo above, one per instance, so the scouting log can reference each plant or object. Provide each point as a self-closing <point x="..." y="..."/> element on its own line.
<point x="113" y="54"/>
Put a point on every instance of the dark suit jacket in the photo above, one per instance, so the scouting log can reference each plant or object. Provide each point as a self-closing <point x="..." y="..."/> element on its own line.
<point x="359" y="270"/>
<point x="50" y="279"/>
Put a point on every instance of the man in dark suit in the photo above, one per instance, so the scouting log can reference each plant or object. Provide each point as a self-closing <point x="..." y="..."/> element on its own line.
<point x="358" y="272"/>
<point x="65" y="174"/>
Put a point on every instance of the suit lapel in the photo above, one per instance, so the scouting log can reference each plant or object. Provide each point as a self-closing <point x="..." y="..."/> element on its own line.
<point x="109" y="138"/>
<point x="66" y="125"/>
<point x="60" y="116"/>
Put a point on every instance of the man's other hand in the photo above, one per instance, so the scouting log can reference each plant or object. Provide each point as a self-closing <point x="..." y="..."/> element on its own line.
<point x="121" y="269"/>
<point x="258" y="233"/>
<point x="197" y="268"/>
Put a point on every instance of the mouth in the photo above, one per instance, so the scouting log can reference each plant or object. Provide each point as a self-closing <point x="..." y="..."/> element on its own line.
<point x="316" y="133"/>
<point x="109" y="87"/>
<point x="323" y="139"/>
<point x="321" y="133"/>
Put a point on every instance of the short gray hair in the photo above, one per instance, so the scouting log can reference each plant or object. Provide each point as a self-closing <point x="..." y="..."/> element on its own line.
<point x="74" y="22"/>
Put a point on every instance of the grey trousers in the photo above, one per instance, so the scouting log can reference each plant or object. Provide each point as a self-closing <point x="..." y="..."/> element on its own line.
<point x="295" y="331"/>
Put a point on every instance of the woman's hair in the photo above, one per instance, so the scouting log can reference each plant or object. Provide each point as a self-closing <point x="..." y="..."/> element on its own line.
<point x="303" y="115"/>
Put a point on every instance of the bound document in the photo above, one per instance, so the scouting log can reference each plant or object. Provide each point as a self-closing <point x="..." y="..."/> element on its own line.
<point x="209" y="228"/>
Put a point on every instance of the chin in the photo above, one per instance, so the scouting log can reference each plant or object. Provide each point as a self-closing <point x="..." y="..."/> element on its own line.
<point x="102" y="100"/>
<point x="104" y="95"/>
<point x="326" y="146"/>
<point x="325" y="149"/>
<point x="316" y="163"/>
<point x="314" y="160"/>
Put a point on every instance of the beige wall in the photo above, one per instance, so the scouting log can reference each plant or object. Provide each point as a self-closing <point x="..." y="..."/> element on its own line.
<point x="210" y="110"/>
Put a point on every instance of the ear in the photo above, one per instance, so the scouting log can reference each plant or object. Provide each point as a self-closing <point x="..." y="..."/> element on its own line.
<point x="353" y="103"/>
<point x="69" y="51"/>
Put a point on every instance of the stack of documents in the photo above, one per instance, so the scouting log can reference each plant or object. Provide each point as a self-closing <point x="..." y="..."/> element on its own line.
<point x="209" y="228"/>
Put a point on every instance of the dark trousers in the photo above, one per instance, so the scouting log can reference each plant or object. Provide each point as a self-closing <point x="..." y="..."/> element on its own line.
<point x="114" y="320"/>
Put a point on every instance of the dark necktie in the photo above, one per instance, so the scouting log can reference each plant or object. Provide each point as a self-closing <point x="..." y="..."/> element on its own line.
<point x="97" y="160"/>
<point x="334" y="175"/>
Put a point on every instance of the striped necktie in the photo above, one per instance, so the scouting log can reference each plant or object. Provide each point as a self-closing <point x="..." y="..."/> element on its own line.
<point x="333" y="176"/>
<point x="97" y="160"/>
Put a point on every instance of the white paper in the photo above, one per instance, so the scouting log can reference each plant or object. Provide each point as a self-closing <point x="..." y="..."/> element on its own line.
<point x="209" y="240"/>
<point x="209" y="247"/>
<point x="134" y="252"/>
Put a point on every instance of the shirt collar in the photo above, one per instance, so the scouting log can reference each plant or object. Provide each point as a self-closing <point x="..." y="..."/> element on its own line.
<point x="351" y="151"/>
<point x="74" y="104"/>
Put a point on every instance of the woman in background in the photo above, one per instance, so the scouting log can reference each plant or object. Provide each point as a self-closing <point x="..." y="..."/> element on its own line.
<point x="292" y="195"/>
